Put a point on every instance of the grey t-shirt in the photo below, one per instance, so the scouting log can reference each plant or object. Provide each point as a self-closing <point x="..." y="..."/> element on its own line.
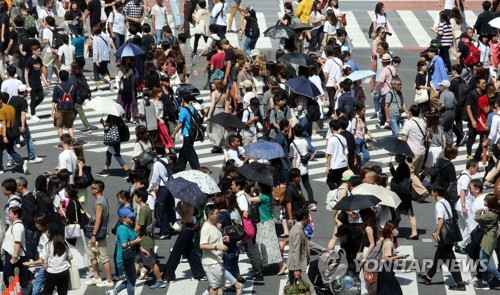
<point x="448" y="99"/>
<point x="105" y="209"/>
<point x="276" y="116"/>
<point x="395" y="101"/>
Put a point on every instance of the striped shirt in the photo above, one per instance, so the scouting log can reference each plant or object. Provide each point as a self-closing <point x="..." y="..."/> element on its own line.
<point x="187" y="52"/>
<point x="446" y="33"/>
<point x="101" y="48"/>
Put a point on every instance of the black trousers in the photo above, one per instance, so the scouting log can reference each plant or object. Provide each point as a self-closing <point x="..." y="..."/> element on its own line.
<point x="8" y="270"/>
<point x="307" y="186"/>
<point x="188" y="154"/>
<point x="188" y="15"/>
<point x="196" y="40"/>
<point x="184" y="245"/>
<point x="472" y="133"/>
<point x="59" y="280"/>
<point x="334" y="177"/>
<point x="444" y="254"/>
<point x="36" y="95"/>
<point x="330" y="90"/>
<point x="166" y="213"/>
<point x="254" y="256"/>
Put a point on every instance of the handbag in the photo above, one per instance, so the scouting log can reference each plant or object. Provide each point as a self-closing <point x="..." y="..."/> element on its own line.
<point x="296" y="287"/>
<point x="344" y="20"/>
<point x="74" y="278"/>
<point x="199" y="29"/>
<point x="253" y="210"/>
<point x="370" y="277"/>
<point x="103" y="13"/>
<point x="248" y="228"/>
<point x="450" y="232"/>
<point x="112" y="137"/>
<point x="146" y="157"/>
<point x="421" y="96"/>
<point x="359" y="255"/>
<point x="128" y="253"/>
<point x="73" y="231"/>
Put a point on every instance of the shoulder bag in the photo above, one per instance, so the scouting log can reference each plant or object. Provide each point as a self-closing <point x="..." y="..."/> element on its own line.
<point x="102" y="232"/>
<point x="145" y="158"/>
<point x="421" y="95"/>
<point x="73" y="230"/>
<point x="450" y="232"/>
<point x="359" y="255"/>
<point x="253" y="210"/>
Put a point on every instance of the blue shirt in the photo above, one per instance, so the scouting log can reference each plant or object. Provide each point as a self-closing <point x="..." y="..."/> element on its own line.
<point x="439" y="71"/>
<point x="185" y="119"/>
<point x="79" y="43"/>
<point x="354" y="66"/>
<point x="123" y="234"/>
<point x="489" y="121"/>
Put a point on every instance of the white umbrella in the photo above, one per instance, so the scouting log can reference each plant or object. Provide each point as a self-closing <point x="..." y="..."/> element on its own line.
<point x="204" y="181"/>
<point x="359" y="75"/>
<point x="105" y="106"/>
<point x="387" y="197"/>
<point x="495" y="23"/>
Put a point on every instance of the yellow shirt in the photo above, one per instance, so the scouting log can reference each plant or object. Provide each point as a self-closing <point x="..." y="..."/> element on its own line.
<point x="7" y="115"/>
<point x="304" y="10"/>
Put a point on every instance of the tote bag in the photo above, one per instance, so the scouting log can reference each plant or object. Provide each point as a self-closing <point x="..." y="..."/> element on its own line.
<point x="74" y="278"/>
<point x="450" y="232"/>
<point x="248" y="228"/>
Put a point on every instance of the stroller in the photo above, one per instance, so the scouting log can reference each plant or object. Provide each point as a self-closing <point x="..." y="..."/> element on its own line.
<point x="331" y="275"/>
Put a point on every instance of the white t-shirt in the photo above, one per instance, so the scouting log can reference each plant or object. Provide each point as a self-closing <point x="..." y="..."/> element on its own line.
<point x="55" y="263"/>
<point x="47" y="34"/>
<point x="330" y="29"/>
<point x="67" y="160"/>
<point x="235" y="155"/>
<point x="211" y="235"/>
<point x="44" y="13"/>
<point x="242" y="200"/>
<point x="463" y="182"/>
<point x="380" y="20"/>
<point x="10" y="86"/>
<point x="414" y="135"/>
<point x="212" y="38"/>
<point x="333" y="66"/>
<point x="337" y="147"/>
<point x="160" y="14"/>
<point x="441" y="211"/>
<point x="222" y="17"/>
<point x="485" y="54"/>
<point x="15" y="233"/>
<point x="68" y="53"/>
<point x="248" y="115"/>
<point x="476" y="205"/>
<point x="117" y="19"/>
<point x="449" y="4"/>
<point x="247" y="97"/>
<point x="299" y="147"/>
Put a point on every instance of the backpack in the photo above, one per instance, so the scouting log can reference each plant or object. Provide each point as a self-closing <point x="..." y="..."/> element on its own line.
<point x="252" y="29"/>
<point x="474" y="55"/>
<point x="434" y="171"/>
<point x="22" y="37"/>
<point x="66" y="102"/>
<point x="56" y="39"/>
<point x="196" y="129"/>
<point x="83" y="91"/>
<point x="267" y="122"/>
<point x="371" y="29"/>
<point x="452" y="194"/>
<point x="29" y="22"/>
<point x="31" y="249"/>
<point x="313" y="111"/>
<point x="123" y="131"/>
<point x="332" y="198"/>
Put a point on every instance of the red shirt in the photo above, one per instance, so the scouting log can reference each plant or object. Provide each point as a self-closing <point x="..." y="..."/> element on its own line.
<point x="484" y="101"/>
<point x="218" y="60"/>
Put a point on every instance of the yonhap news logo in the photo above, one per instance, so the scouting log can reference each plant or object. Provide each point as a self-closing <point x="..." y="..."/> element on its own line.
<point x="421" y="265"/>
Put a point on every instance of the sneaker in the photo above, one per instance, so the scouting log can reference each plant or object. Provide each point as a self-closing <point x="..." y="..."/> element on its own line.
<point x="313" y="207"/>
<point x="458" y="287"/>
<point x="142" y="275"/>
<point x="202" y="279"/>
<point x="18" y="146"/>
<point x="89" y="274"/>
<point x="9" y="163"/>
<point x="2" y="172"/>
<point x="93" y="281"/>
<point x="111" y="86"/>
<point x="460" y="251"/>
<point x="184" y="260"/>
<point x="480" y="286"/>
<point x="110" y="292"/>
<point x="163" y="237"/>
<point x="374" y="116"/>
<point x="103" y="173"/>
<point x="87" y="130"/>
<point x="118" y="278"/>
<point x="105" y="284"/>
<point x="424" y="278"/>
<point x="35" y="118"/>
<point x="158" y="285"/>
<point x="25" y="168"/>
<point x="470" y="158"/>
<point x="464" y="139"/>
<point x="36" y="160"/>
<point x="313" y="154"/>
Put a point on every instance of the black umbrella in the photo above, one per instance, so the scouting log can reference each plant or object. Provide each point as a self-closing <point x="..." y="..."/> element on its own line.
<point x="184" y="88"/>
<point x="279" y="31"/>
<point x="395" y="146"/>
<point x="356" y="202"/>
<point x="258" y="172"/>
<point x="186" y="191"/>
<point x="298" y="58"/>
<point x="301" y="27"/>
<point x="227" y="120"/>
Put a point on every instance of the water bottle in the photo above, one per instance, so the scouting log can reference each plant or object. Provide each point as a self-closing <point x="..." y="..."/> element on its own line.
<point x="93" y="248"/>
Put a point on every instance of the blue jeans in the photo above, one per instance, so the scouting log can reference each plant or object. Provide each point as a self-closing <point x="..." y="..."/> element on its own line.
<point x="306" y="134"/>
<point x="10" y="150"/>
<point x="129" y="283"/>
<point x="249" y="45"/>
<point x="38" y="283"/>
<point x="174" y="5"/>
<point x="485" y="259"/>
<point x="361" y="148"/>
<point x="395" y="123"/>
<point x="158" y="36"/>
<point x="119" y="40"/>
<point x="29" y="146"/>
<point x="117" y="155"/>
<point x="376" y="101"/>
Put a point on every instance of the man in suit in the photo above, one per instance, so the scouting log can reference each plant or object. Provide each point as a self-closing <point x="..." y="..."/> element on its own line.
<point x="299" y="255"/>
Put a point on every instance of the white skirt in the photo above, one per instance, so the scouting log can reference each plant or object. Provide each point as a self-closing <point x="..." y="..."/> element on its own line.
<point x="79" y="253"/>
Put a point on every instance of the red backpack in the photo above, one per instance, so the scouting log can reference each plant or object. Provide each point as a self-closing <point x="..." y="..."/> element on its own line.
<point x="66" y="102"/>
<point x="474" y="55"/>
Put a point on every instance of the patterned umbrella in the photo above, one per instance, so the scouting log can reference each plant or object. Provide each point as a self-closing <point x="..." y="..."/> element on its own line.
<point x="186" y="191"/>
<point x="264" y="150"/>
<point x="206" y="183"/>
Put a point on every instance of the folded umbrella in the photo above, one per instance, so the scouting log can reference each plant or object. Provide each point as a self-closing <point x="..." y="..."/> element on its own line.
<point x="279" y="31"/>
<point x="227" y="120"/>
<point x="264" y="150"/>
<point x="129" y="50"/>
<point x="206" y="183"/>
<point x="387" y="197"/>
<point x="360" y="75"/>
<point x="303" y="86"/>
<point x="258" y="172"/>
<point x="186" y="191"/>
<point x="105" y="106"/>
<point x="395" y="146"/>
<point x="356" y="202"/>
<point x="298" y="59"/>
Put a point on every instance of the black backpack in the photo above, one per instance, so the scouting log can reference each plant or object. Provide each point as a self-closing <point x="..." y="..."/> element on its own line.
<point x="123" y="131"/>
<point x="252" y="29"/>
<point x="30" y="243"/>
<point x="313" y="111"/>
<point x="196" y="128"/>
<point x="452" y="195"/>
<point x="22" y="37"/>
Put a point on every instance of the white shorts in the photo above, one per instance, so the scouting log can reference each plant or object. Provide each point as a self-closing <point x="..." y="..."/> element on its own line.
<point x="215" y="275"/>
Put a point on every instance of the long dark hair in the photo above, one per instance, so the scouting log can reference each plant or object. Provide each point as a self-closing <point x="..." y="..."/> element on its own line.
<point x="330" y="15"/>
<point x="378" y="7"/>
<point x="369" y="218"/>
<point x="53" y="186"/>
<point x="455" y="13"/>
<point x="59" y="243"/>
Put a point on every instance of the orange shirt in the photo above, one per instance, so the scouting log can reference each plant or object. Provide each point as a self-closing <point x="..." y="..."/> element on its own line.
<point x="7" y="115"/>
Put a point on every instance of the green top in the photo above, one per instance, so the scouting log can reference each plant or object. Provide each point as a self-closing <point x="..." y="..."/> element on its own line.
<point x="488" y="221"/>
<point x="265" y="208"/>
<point x="124" y="234"/>
<point x="145" y="219"/>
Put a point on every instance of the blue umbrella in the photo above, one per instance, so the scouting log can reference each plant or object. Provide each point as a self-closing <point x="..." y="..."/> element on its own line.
<point x="264" y="150"/>
<point x="303" y="86"/>
<point x="186" y="191"/>
<point x="129" y="49"/>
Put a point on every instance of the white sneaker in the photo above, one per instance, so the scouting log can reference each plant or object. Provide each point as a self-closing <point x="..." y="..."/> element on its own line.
<point x="105" y="284"/>
<point x="9" y="163"/>
<point x="36" y="160"/>
<point x="25" y="167"/>
<point x="93" y="281"/>
<point x="89" y="274"/>
<point x="18" y="146"/>
<point x="111" y="86"/>
<point x="35" y="118"/>
<point x="2" y="172"/>
<point x="110" y="292"/>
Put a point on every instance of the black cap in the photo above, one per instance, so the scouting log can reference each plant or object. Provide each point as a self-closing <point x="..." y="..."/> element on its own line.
<point x="165" y="79"/>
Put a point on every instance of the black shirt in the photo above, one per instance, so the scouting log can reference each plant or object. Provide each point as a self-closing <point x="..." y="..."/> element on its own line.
<point x="464" y="50"/>
<point x="454" y="85"/>
<point x="420" y="80"/>
<point x="27" y="46"/>
<point x="14" y="50"/>
<point x="472" y="102"/>
<point x="351" y="146"/>
<point x="446" y="174"/>
<point x="34" y="67"/>
<point x="294" y="195"/>
<point x="230" y="56"/>
<point x="94" y="8"/>
<point x="20" y="105"/>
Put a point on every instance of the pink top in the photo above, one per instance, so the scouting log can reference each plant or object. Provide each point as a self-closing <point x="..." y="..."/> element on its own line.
<point x="358" y="127"/>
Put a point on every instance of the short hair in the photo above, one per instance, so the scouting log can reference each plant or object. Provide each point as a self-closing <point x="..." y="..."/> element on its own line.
<point x="355" y="181"/>
<point x="34" y="47"/>
<point x="142" y="181"/>
<point x="224" y="42"/>
<point x="301" y="213"/>
<point x="72" y="191"/>
<point x="160" y="149"/>
<point x="294" y="172"/>
<point x="16" y="210"/>
<point x="142" y="194"/>
<point x="486" y="5"/>
<point x="477" y="183"/>
<point x="438" y="189"/>
<point x="450" y="152"/>
<point x="384" y="45"/>
<point x="66" y="138"/>
<point x="9" y="185"/>
<point x="288" y="6"/>
<point x="146" y="28"/>
<point x="118" y="4"/>
<point x="240" y="181"/>
<point x="395" y="80"/>
<point x="414" y="110"/>
<point x="21" y="180"/>
<point x="283" y="124"/>
<point x="298" y="130"/>
<point x="182" y="37"/>
<point x="50" y="21"/>
<point x="63" y="75"/>
<point x="11" y="71"/>
<point x="457" y="68"/>
<point x="433" y="50"/>
<point x="100" y="185"/>
<point x="202" y="4"/>
<point x="470" y="163"/>
<point x="388" y="228"/>
<point x="209" y="209"/>
<point x="334" y="124"/>
<point x="329" y="50"/>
